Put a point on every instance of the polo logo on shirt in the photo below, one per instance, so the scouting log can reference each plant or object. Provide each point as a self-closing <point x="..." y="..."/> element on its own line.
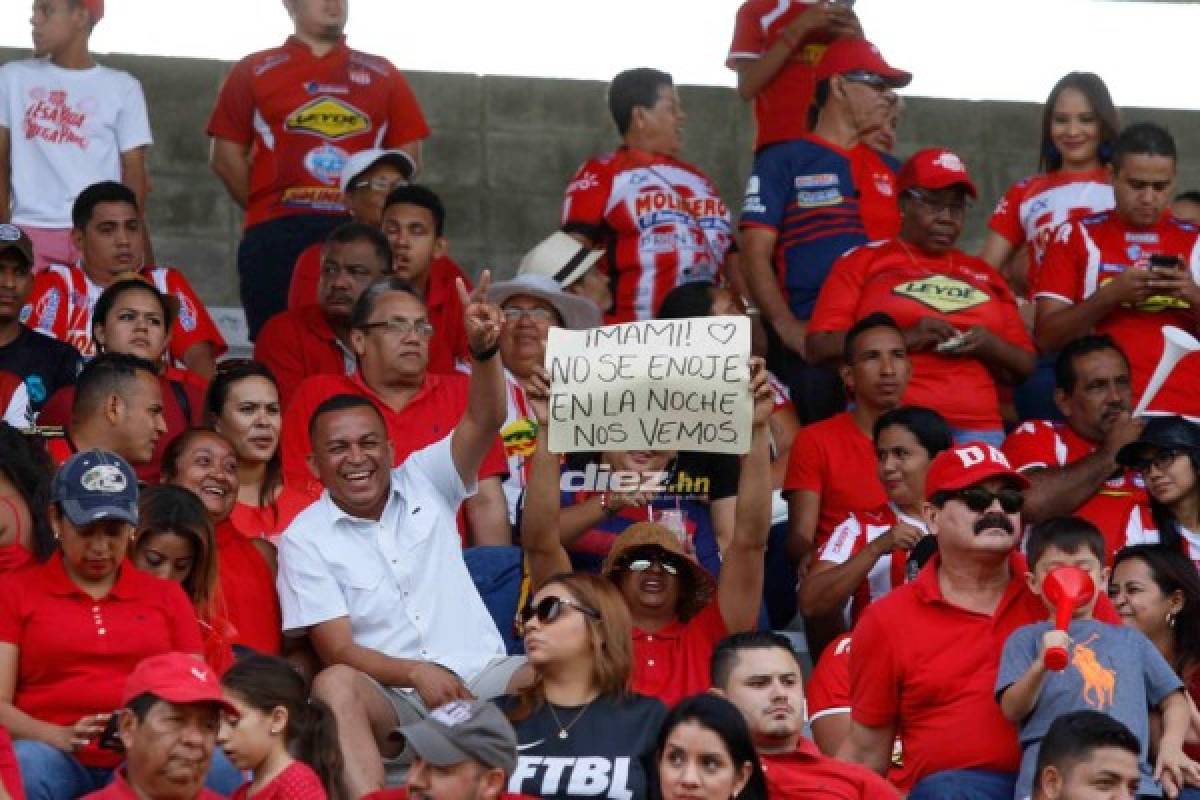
<point x="942" y="293"/>
<point x="1098" y="680"/>
<point x="328" y="117"/>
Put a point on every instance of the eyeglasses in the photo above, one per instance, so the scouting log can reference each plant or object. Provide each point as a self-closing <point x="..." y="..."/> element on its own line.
<point x="401" y="327"/>
<point x="871" y="79"/>
<point x="1162" y="460"/>
<point x="643" y="562"/>
<point x="379" y="184"/>
<point x="514" y="315"/>
<point x="956" y="208"/>
<point x="979" y="499"/>
<point x="551" y="608"/>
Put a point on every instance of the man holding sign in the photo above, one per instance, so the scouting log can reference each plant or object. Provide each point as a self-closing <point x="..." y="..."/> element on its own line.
<point x="677" y="616"/>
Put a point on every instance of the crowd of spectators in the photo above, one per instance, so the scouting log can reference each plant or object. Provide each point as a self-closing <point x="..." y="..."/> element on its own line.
<point x="353" y="567"/>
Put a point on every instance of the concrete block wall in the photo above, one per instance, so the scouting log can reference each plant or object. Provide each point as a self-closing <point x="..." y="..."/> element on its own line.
<point x="503" y="149"/>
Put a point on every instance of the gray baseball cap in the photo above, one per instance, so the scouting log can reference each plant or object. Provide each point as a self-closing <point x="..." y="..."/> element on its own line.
<point x="96" y="485"/>
<point x="460" y="731"/>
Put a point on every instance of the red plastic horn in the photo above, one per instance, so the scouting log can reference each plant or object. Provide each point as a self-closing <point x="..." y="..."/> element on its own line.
<point x="1068" y="588"/>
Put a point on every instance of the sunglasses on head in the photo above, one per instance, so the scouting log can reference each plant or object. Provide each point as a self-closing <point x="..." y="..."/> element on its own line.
<point x="979" y="499"/>
<point x="641" y="562"/>
<point x="551" y="608"/>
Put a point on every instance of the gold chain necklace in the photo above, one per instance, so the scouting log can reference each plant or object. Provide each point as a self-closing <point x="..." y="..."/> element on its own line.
<point x="563" y="730"/>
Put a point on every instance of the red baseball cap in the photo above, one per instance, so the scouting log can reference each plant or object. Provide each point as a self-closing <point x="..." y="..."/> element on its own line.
<point x="96" y="8"/>
<point x="967" y="465"/>
<point x="850" y="54"/>
<point x="178" y="678"/>
<point x="935" y="168"/>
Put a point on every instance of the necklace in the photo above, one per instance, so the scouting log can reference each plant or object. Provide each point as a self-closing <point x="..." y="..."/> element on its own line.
<point x="563" y="729"/>
<point x="949" y="257"/>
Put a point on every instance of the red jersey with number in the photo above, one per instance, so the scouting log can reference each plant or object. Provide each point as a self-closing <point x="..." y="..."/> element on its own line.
<point x="1032" y="209"/>
<point x="854" y="534"/>
<point x="1039" y="444"/>
<point x="780" y="107"/>
<point x="661" y="221"/>
<point x="1088" y="253"/>
<point x="907" y="284"/>
<point x="304" y="115"/>
<point x="63" y="298"/>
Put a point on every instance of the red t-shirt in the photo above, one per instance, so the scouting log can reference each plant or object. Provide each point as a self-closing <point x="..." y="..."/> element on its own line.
<point x="75" y="652"/>
<point x="432" y="413"/>
<point x="248" y="588"/>
<point x="298" y="343"/>
<point x="268" y="522"/>
<point x="63" y="299"/>
<point x="296" y="782"/>
<point x="445" y="310"/>
<point x="10" y="772"/>
<point x="672" y="663"/>
<point x="662" y="222"/>
<point x="828" y="688"/>
<point x="823" y="455"/>
<point x="780" y="107"/>
<point x="1032" y="209"/>
<point x="900" y="280"/>
<point x="1092" y="251"/>
<point x="809" y="773"/>
<point x="57" y="411"/>
<point x="1039" y="444"/>
<point x="853" y="535"/>
<point x="120" y="789"/>
<point x="304" y="115"/>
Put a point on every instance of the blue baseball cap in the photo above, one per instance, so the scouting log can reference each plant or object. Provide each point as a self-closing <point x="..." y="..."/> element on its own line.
<point x="96" y="485"/>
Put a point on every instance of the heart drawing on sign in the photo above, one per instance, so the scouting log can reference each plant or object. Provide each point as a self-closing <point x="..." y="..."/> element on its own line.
<point x="722" y="331"/>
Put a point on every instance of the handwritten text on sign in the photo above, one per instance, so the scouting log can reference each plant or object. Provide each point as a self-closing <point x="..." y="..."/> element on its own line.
<point x="680" y="384"/>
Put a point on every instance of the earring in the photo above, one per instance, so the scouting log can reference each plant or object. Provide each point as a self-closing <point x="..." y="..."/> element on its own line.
<point x="1171" y="619"/>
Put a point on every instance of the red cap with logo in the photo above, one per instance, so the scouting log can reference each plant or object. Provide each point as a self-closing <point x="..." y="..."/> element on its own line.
<point x="935" y="168"/>
<point x="95" y="8"/>
<point x="967" y="465"/>
<point x="855" y="54"/>
<point x="178" y="678"/>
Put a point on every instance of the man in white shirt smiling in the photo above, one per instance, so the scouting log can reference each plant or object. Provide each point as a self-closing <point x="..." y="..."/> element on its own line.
<point x="373" y="571"/>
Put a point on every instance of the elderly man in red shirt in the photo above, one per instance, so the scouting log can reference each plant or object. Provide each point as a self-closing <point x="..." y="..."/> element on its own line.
<point x="947" y="629"/>
<point x="759" y="673"/>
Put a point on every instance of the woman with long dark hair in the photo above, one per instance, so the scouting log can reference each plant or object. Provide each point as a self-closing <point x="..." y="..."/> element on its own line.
<point x="25" y="470"/>
<point x="705" y="752"/>
<point x="1167" y="454"/>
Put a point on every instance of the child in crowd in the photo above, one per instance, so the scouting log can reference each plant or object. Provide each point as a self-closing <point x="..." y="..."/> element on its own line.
<point x="1112" y="669"/>
<point x="277" y="719"/>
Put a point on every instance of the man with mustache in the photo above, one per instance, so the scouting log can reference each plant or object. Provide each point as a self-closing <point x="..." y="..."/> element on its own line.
<point x="759" y="673"/>
<point x="1071" y="465"/>
<point x="315" y="339"/>
<point x="947" y="629"/>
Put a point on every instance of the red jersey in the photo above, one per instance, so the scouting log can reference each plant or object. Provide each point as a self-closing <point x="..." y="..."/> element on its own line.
<point x="907" y="284"/>
<point x="1032" y="209"/>
<point x="304" y="115"/>
<point x="808" y="773"/>
<point x="661" y="220"/>
<point x="298" y="343"/>
<point x="120" y="789"/>
<point x="854" y="534"/>
<point x="1039" y="444"/>
<point x="10" y="771"/>
<point x="672" y="663"/>
<point x="248" y="589"/>
<point x="270" y="521"/>
<point x="296" y="782"/>
<point x="63" y="298"/>
<point x="780" y="107"/>
<point x="1140" y="528"/>
<point x="1088" y="253"/>
<point x="828" y="688"/>
<point x="432" y="413"/>
<point x="823" y="454"/>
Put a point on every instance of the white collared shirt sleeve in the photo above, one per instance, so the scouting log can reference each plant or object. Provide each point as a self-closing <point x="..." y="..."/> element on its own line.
<point x="435" y="464"/>
<point x="308" y="591"/>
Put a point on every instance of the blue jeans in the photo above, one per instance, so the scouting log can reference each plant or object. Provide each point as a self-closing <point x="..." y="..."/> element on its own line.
<point x="965" y="784"/>
<point x="994" y="437"/>
<point x="50" y="774"/>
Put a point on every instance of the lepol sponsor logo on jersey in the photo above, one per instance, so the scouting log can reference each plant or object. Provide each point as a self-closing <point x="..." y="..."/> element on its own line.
<point x="942" y="293"/>
<point x="328" y="117"/>
<point x="325" y="163"/>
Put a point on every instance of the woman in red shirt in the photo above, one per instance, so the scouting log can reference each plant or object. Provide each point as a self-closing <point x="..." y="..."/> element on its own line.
<point x="960" y="321"/>
<point x="206" y="463"/>
<point x="242" y="405"/>
<point x="72" y="628"/>
<point x="25" y="470"/>
<point x="174" y="541"/>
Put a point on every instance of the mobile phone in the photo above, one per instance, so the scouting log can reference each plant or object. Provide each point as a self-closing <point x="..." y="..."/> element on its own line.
<point x="110" y="739"/>
<point x="1164" y="261"/>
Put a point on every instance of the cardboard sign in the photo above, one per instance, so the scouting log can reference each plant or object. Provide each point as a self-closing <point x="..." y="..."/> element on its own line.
<point x="680" y="384"/>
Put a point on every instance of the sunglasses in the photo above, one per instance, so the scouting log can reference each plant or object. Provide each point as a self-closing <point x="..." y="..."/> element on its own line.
<point x="871" y="79"/>
<point x="644" y="561"/>
<point x="979" y="499"/>
<point x="549" y="609"/>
